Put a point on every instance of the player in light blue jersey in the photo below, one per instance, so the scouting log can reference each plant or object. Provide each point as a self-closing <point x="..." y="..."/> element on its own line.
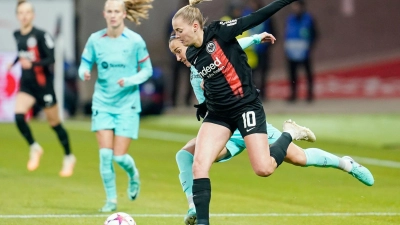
<point x="122" y="63"/>
<point x="295" y="154"/>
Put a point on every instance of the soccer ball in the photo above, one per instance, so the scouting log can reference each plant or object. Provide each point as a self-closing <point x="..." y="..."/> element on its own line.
<point x="120" y="218"/>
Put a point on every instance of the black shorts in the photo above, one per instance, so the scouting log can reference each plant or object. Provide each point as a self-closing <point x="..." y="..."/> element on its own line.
<point x="250" y="120"/>
<point x="45" y="96"/>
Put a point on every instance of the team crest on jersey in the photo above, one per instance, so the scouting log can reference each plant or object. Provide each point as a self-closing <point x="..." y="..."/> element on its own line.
<point x="31" y="42"/>
<point x="210" y="48"/>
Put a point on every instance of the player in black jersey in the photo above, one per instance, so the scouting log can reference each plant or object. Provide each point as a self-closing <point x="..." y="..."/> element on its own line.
<point x="231" y="97"/>
<point x="36" y="56"/>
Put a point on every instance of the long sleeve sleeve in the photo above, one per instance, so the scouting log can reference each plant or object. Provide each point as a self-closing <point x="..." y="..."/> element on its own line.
<point x="248" y="41"/>
<point x="230" y="29"/>
<point x="87" y="59"/>
<point x="46" y="44"/>
<point x="146" y="69"/>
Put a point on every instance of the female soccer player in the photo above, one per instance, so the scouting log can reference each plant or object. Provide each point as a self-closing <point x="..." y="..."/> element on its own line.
<point x="295" y="155"/>
<point x="123" y="63"/>
<point x="36" y="56"/>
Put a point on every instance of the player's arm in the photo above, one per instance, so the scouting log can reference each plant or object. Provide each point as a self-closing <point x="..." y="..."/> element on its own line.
<point x="145" y="68"/>
<point x="256" y="39"/>
<point x="87" y="60"/>
<point x="195" y="81"/>
<point x="230" y="29"/>
<point x="16" y="58"/>
<point x="46" y="44"/>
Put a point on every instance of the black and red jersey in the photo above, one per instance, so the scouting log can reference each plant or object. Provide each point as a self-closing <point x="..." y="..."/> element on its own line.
<point x="38" y="47"/>
<point x="222" y="63"/>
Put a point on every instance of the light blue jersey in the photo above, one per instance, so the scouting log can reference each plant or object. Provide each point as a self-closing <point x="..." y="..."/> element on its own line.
<point x="125" y="57"/>
<point x="196" y="79"/>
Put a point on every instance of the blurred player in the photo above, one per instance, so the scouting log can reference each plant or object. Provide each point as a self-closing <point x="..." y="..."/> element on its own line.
<point x="36" y="56"/>
<point x="295" y="155"/>
<point x="122" y="63"/>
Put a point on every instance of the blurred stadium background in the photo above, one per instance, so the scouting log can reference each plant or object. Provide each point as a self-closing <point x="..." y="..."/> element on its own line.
<point x="356" y="112"/>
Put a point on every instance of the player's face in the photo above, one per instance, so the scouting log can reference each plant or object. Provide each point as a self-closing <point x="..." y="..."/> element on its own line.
<point x="179" y="50"/>
<point x="114" y="13"/>
<point x="184" y="31"/>
<point x="25" y="14"/>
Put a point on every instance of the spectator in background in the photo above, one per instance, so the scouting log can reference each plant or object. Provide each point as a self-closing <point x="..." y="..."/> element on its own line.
<point x="177" y="67"/>
<point x="300" y="37"/>
<point x="262" y="50"/>
<point x="235" y="10"/>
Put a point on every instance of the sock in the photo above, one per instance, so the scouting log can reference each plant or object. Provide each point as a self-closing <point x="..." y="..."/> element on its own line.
<point x="202" y="198"/>
<point x="278" y="149"/>
<point x="24" y="128"/>
<point x="107" y="173"/>
<point x="320" y="158"/>
<point x="63" y="137"/>
<point x="184" y="159"/>
<point x="127" y="163"/>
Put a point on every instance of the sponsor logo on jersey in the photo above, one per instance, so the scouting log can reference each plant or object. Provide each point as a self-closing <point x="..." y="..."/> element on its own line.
<point x="212" y="69"/>
<point x="229" y="23"/>
<point x="27" y="54"/>
<point x="105" y="65"/>
<point x="210" y="48"/>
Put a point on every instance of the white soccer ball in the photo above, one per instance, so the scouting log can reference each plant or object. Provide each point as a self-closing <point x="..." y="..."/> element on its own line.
<point x="120" y="218"/>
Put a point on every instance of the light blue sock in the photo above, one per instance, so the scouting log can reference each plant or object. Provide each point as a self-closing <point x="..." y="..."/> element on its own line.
<point x="320" y="158"/>
<point x="127" y="163"/>
<point x="107" y="173"/>
<point x="184" y="159"/>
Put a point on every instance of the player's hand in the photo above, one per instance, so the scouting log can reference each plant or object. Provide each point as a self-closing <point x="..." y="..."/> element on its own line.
<point x="121" y="82"/>
<point x="201" y="110"/>
<point x="86" y="76"/>
<point x="26" y="64"/>
<point x="267" y="37"/>
<point x="9" y="66"/>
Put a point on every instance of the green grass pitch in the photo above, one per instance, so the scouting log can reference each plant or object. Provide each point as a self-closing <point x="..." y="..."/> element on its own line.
<point x="291" y="196"/>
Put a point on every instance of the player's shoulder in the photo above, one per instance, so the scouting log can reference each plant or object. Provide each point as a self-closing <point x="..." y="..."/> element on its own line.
<point x="98" y="34"/>
<point x="132" y="35"/>
<point x="17" y="33"/>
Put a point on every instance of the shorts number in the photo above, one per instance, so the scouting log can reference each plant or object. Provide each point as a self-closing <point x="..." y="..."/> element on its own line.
<point x="48" y="98"/>
<point x="249" y="119"/>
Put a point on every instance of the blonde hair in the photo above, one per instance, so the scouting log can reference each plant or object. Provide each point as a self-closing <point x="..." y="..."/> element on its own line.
<point x="20" y="2"/>
<point x="191" y="13"/>
<point x="136" y="9"/>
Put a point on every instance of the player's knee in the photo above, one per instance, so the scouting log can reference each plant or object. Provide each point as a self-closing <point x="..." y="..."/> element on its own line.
<point x="264" y="171"/>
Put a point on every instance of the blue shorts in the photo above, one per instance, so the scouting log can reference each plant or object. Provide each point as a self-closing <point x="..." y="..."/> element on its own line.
<point x="124" y="124"/>
<point x="236" y="143"/>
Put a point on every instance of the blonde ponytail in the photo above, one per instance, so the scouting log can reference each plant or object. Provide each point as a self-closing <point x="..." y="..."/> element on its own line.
<point x="137" y="10"/>
<point x="196" y="2"/>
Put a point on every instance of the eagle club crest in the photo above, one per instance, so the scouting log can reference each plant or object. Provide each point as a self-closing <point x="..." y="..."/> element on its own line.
<point x="210" y="48"/>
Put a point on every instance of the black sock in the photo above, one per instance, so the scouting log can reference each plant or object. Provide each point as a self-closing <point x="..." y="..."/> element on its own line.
<point x="63" y="137"/>
<point x="278" y="149"/>
<point x="201" y="198"/>
<point x="24" y="128"/>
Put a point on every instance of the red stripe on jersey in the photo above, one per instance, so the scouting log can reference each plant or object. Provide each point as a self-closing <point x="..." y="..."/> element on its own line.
<point x="228" y="70"/>
<point x="39" y="73"/>
<point x="144" y="59"/>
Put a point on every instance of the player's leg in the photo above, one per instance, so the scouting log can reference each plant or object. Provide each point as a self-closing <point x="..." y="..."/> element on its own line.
<point x="127" y="128"/>
<point x="184" y="160"/>
<point x="310" y="79"/>
<point x="319" y="158"/>
<point x="53" y="119"/>
<point x="212" y="137"/>
<point x="103" y="125"/>
<point x="24" y="102"/>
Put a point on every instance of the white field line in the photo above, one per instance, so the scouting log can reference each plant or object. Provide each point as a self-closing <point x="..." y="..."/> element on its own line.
<point x="183" y="138"/>
<point x="333" y="214"/>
